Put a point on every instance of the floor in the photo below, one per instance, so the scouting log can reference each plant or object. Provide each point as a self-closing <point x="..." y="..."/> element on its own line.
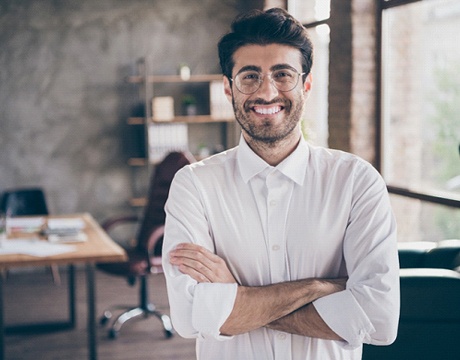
<point x="32" y="296"/>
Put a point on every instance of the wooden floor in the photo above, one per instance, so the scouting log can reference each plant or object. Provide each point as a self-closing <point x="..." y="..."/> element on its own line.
<point x="32" y="296"/>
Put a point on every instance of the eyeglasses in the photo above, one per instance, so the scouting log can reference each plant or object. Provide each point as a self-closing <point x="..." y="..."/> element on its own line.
<point x="248" y="82"/>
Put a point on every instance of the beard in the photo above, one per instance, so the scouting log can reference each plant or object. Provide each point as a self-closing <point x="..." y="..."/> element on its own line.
<point x="265" y="131"/>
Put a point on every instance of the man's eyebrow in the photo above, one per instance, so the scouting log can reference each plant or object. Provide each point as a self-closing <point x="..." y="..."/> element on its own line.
<point x="273" y="68"/>
<point x="249" y="68"/>
<point x="282" y="66"/>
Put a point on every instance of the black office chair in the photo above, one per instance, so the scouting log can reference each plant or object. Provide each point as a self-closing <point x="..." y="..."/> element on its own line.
<point x="144" y="258"/>
<point x="23" y="202"/>
<point x="430" y="318"/>
<point x="412" y="254"/>
<point x="27" y="202"/>
<point x="446" y="255"/>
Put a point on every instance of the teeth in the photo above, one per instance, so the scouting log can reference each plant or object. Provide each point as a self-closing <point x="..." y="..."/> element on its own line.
<point x="267" y="111"/>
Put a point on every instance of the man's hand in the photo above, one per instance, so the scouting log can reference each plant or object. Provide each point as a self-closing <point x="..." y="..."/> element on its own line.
<point x="200" y="264"/>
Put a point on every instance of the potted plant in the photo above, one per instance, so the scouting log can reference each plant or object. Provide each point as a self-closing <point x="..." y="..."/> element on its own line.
<point x="189" y="104"/>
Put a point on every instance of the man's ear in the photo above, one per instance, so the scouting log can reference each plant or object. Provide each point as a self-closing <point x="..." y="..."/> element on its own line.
<point x="307" y="83"/>
<point x="228" y="89"/>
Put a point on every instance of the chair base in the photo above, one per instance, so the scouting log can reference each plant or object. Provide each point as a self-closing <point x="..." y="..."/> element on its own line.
<point x="132" y="313"/>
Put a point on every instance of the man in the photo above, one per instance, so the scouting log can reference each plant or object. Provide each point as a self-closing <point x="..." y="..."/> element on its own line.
<point x="277" y="249"/>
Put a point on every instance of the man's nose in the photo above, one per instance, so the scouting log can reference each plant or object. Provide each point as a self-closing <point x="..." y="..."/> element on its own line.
<point x="267" y="89"/>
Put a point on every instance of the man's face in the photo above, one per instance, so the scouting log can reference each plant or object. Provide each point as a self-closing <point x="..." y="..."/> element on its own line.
<point x="268" y="115"/>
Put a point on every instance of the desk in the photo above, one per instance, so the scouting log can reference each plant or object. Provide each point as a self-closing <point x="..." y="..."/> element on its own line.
<point x="96" y="249"/>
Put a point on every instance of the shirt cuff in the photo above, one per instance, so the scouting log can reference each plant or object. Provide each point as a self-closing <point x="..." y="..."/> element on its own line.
<point x="212" y="305"/>
<point x="343" y="314"/>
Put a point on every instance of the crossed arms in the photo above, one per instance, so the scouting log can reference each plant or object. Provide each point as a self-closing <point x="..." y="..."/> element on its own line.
<point x="284" y="306"/>
<point x="207" y="295"/>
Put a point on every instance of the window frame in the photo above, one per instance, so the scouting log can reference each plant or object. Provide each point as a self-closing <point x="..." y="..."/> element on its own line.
<point x="453" y="201"/>
<point x="312" y="25"/>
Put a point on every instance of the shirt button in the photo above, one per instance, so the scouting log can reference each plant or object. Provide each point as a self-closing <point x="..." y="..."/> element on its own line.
<point x="282" y="336"/>
<point x="275" y="247"/>
<point x="273" y="202"/>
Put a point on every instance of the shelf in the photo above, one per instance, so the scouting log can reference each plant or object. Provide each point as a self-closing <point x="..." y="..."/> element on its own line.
<point x="138" y="202"/>
<point x="136" y="121"/>
<point x="162" y="136"/>
<point x="137" y="162"/>
<point x="174" y="79"/>
<point x="193" y="120"/>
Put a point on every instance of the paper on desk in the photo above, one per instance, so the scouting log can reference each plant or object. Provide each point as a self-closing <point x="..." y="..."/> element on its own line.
<point x="34" y="247"/>
<point x="80" y="237"/>
<point x="66" y="223"/>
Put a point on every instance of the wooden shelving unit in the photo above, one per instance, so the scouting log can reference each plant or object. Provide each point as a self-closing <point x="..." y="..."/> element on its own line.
<point x="148" y="89"/>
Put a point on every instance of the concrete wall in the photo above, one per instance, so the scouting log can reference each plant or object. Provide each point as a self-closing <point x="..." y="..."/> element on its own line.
<point x="63" y="100"/>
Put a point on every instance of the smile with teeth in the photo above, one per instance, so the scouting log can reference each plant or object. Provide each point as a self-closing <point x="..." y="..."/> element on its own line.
<point x="264" y="110"/>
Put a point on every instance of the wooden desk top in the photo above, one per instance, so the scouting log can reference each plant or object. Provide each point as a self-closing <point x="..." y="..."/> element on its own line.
<point x="98" y="247"/>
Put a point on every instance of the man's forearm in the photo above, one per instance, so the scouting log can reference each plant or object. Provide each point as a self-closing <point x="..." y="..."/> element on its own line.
<point x="256" y="307"/>
<point x="272" y="305"/>
<point x="305" y="322"/>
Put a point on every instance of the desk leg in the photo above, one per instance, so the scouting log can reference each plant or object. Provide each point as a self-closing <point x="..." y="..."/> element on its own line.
<point x="72" y="296"/>
<point x="2" y="328"/>
<point x="92" y="341"/>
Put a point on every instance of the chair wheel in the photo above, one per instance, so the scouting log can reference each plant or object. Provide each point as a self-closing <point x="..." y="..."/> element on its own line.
<point x="113" y="334"/>
<point x="168" y="334"/>
<point x="103" y="321"/>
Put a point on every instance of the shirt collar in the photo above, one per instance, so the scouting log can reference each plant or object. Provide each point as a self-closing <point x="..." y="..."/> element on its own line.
<point x="294" y="166"/>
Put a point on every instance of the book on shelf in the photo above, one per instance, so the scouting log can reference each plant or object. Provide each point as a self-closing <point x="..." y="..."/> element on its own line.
<point x="165" y="138"/>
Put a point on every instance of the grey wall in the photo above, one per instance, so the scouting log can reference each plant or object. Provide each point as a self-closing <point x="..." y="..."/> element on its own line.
<point x="63" y="101"/>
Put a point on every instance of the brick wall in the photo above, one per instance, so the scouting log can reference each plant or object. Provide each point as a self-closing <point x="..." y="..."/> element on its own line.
<point x="352" y="79"/>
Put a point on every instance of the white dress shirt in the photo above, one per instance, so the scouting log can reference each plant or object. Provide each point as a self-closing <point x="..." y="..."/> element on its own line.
<point x="320" y="213"/>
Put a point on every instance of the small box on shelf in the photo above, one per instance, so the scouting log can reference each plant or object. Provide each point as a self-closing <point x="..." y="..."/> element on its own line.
<point x="163" y="108"/>
<point x="220" y="107"/>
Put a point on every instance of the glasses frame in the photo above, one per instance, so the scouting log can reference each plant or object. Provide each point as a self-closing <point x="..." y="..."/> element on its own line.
<point x="273" y="82"/>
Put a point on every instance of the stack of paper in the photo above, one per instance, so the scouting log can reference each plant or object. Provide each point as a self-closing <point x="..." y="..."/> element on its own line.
<point x="25" y="224"/>
<point x="65" y="230"/>
<point x="33" y="247"/>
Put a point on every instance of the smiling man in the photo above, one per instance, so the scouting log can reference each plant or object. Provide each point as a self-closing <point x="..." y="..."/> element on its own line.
<point x="277" y="249"/>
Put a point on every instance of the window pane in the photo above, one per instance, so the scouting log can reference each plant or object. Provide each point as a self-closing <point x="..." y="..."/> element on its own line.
<point x="314" y="121"/>
<point x="422" y="221"/>
<point x="421" y="92"/>
<point x="309" y="11"/>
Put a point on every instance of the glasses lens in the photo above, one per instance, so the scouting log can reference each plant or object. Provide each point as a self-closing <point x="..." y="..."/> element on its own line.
<point x="248" y="82"/>
<point x="285" y="79"/>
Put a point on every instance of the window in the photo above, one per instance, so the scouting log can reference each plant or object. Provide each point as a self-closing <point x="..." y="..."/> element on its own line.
<point x="314" y="16"/>
<point x="420" y="117"/>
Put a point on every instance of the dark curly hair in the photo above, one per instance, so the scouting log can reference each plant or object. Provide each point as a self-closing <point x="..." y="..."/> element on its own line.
<point x="274" y="26"/>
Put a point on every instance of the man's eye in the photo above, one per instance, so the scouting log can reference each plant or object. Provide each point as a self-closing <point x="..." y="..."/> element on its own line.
<point x="251" y="77"/>
<point x="282" y="75"/>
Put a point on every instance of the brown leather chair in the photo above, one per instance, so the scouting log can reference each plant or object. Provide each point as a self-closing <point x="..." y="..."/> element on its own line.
<point x="144" y="258"/>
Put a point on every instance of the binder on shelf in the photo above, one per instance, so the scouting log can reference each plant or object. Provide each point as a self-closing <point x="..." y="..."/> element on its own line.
<point x="220" y="107"/>
<point x="164" y="138"/>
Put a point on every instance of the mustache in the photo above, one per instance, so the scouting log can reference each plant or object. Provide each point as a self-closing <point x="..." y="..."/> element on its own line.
<point x="279" y="101"/>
